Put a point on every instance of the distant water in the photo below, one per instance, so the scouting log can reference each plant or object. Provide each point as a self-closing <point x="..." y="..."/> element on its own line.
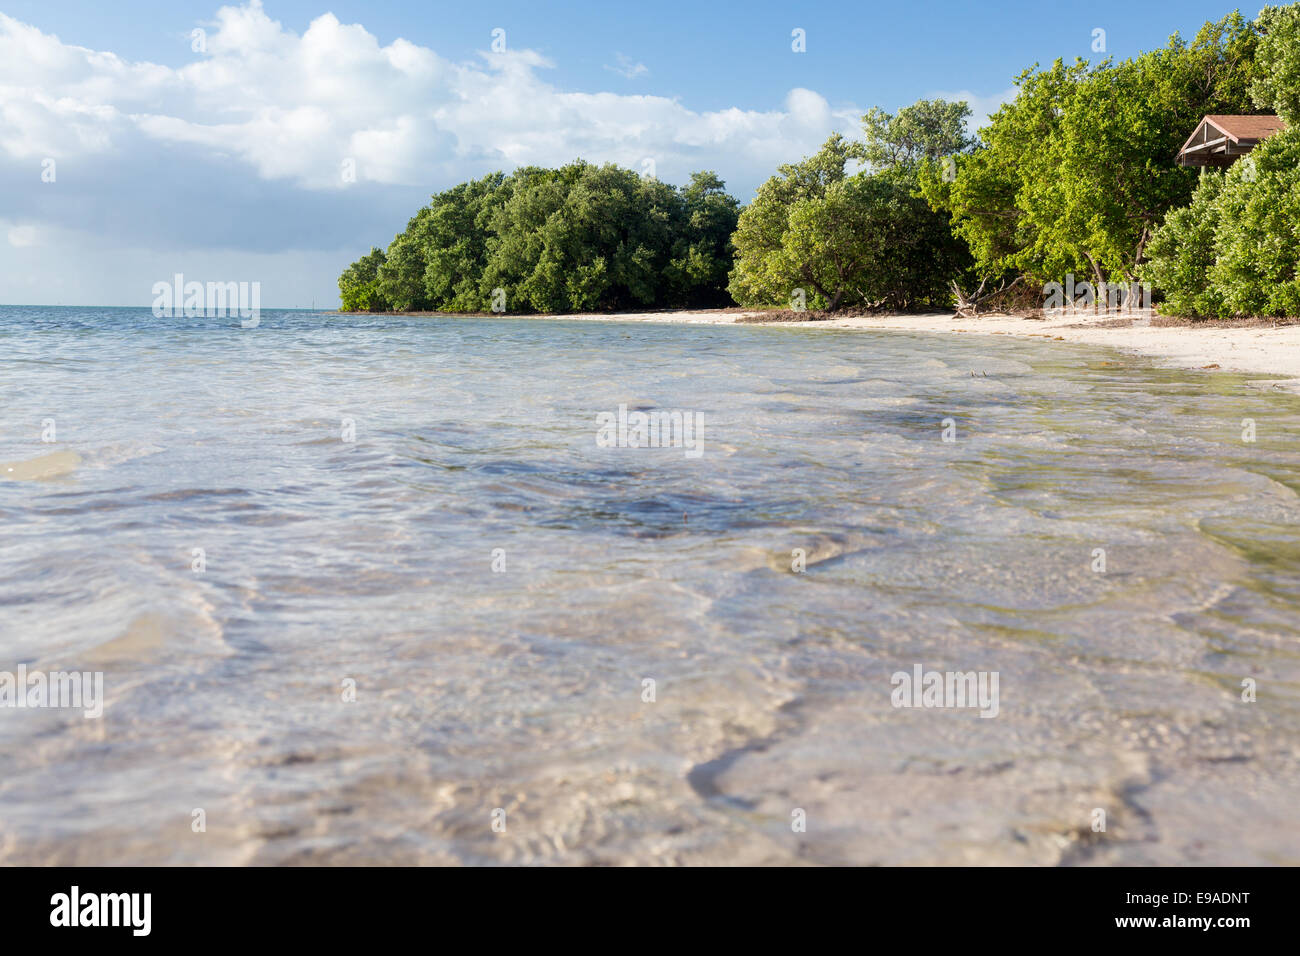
<point x="521" y="690"/>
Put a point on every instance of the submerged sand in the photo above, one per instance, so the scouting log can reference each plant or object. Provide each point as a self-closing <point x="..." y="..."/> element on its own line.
<point x="1272" y="352"/>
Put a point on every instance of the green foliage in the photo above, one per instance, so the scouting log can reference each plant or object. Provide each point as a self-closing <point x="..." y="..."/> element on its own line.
<point x="401" y="277"/>
<point x="1183" y="250"/>
<point x="865" y="239"/>
<point x="462" y="237"/>
<point x="1258" y="242"/>
<point x="1075" y="175"/>
<point x="1278" y="85"/>
<point x="765" y="273"/>
<point x="359" y="284"/>
<point x="1236" y="249"/>
<point x="582" y="237"/>
<point x="995" y="195"/>
<point x="926" y="130"/>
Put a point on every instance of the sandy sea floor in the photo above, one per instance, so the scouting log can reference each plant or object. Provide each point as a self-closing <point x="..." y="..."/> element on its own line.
<point x="1270" y="352"/>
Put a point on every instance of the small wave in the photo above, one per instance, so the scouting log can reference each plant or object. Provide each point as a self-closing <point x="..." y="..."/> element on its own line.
<point x="117" y="453"/>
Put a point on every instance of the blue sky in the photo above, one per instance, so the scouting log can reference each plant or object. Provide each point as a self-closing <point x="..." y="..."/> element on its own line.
<point x="224" y="163"/>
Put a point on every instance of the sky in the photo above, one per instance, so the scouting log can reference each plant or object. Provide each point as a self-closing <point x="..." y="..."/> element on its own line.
<point x="287" y="137"/>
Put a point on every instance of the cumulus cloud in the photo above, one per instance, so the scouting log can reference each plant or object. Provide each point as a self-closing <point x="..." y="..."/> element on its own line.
<point x="296" y="107"/>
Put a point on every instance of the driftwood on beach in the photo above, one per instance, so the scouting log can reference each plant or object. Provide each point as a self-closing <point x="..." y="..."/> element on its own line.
<point x="968" y="305"/>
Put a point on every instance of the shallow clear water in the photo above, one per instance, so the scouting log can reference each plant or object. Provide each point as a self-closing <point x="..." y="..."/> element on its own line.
<point x="522" y="689"/>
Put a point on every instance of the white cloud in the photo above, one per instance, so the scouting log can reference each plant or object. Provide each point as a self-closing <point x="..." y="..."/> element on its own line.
<point x="809" y="109"/>
<point x="295" y="107"/>
<point x="627" y="68"/>
<point x="981" y="107"/>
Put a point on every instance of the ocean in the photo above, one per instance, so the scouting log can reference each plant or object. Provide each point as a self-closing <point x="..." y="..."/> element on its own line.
<point x="402" y="589"/>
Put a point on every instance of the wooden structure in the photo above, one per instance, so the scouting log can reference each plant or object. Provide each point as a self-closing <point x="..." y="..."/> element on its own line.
<point x="1221" y="140"/>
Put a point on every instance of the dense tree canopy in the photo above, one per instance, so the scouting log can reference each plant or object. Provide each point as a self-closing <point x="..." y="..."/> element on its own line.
<point x="1182" y="252"/>
<point x="926" y="130"/>
<point x="582" y="237"/>
<point x="1235" y="249"/>
<point x="359" y="284"/>
<point x="1277" y="86"/>
<point x="1075" y="174"/>
<point x="864" y="239"/>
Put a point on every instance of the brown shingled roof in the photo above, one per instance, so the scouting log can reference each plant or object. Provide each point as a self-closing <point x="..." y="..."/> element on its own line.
<point x="1221" y="140"/>
<point x="1248" y="127"/>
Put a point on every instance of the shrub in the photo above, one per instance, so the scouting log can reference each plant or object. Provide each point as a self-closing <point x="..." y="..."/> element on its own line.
<point x="1183" y="250"/>
<point x="1236" y="249"/>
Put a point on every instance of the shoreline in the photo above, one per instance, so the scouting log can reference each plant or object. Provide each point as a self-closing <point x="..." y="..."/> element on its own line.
<point x="1273" y="353"/>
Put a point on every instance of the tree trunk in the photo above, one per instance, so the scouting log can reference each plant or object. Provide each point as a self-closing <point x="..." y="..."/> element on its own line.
<point x="968" y="306"/>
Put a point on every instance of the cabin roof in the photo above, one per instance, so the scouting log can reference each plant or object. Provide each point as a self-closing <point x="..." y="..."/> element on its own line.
<point x="1247" y="127"/>
<point x="1219" y="140"/>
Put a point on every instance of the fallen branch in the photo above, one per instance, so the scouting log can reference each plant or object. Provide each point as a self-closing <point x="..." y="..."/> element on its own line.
<point x="968" y="306"/>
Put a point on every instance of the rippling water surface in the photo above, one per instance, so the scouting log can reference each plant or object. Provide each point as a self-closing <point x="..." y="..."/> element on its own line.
<point x="372" y="561"/>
